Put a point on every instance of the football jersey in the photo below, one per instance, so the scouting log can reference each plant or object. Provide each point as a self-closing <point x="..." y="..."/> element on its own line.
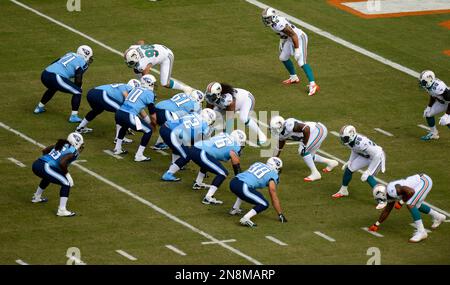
<point x="413" y="182"/>
<point x="115" y="91"/>
<point x="67" y="65"/>
<point x="137" y="100"/>
<point x="219" y="146"/>
<point x="189" y="129"/>
<point x="280" y="24"/>
<point x="240" y="97"/>
<point x="151" y="54"/>
<point x="364" y="147"/>
<point x="53" y="158"/>
<point x="258" y="176"/>
<point x="437" y="89"/>
<point x="181" y="104"/>
<point x="288" y="131"/>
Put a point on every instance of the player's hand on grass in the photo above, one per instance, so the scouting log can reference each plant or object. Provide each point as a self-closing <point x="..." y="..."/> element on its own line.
<point x="399" y="204"/>
<point x="374" y="227"/>
<point x="282" y="218"/>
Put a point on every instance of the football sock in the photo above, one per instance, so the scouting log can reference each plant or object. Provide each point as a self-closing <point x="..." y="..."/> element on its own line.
<point x="431" y="123"/>
<point x="237" y="204"/>
<point x="415" y="214"/>
<point x="118" y="144"/>
<point x="175" y="157"/>
<point x="419" y="225"/>
<point x="425" y="209"/>
<point x="211" y="191"/>
<point x="140" y="151"/>
<point x="38" y="192"/>
<point x="63" y="202"/>
<point x="40" y="105"/>
<point x="159" y="140"/>
<point x="74" y="113"/>
<point x="289" y="66"/>
<point x="432" y="213"/>
<point x="83" y="124"/>
<point x="347" y="177"/>
<point x="308" y="71"/>
<point x="200" y="177"/>
<point x="371" y="180"/>
<point x="176" y="85"/>
<point x="118" y="127"/>
<point x="250" y="214"/>
<point x="310" y="163"/>
<point x="321" y="159"/>
<point x="173" y="168"/>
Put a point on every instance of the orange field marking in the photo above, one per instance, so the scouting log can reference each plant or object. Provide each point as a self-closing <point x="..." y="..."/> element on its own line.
<point x="338" y="4"/>
<point x="445" y="24"/>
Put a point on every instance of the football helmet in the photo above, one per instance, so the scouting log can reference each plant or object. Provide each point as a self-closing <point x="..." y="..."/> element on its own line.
<point x="133" y="83"/>
<point x="426" y="78"/>
<point x="277" y="125"/>
<point x="347" y="134"/>
<point x="380" y="195"/>
<point x="198" y="96"/>
<point x="275" y="163"/>
<point x="208" y="115"/>
<point x="76" y="140"/>
<point x="239" y="136"/>
<point x="132" y="57"/>
<point x="86" y="53"/>
<point x="269" y="16"/>
<point x="148" y="82"/>
<point x="213" y="92"/>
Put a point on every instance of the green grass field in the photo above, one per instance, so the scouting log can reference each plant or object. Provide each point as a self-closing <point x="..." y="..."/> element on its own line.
<point x="223" y="41"/>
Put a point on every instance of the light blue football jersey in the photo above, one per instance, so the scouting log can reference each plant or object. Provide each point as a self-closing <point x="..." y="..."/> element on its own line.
<point x="67" y="65"/>
<point x="189" y="128"/>
<point x="181" y="104"/>
<point x="219" y="146"/>
<point x="53" y="158"/>
<point x="258" y="175"/>
<point x="115" y="91"/>
<point x="137" y="99"/>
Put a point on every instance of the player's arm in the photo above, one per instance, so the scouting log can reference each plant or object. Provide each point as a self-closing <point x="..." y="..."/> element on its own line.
<point x="64" y="162"/>
<point x="145" y="117"/>
<point x="302" y="128"/>
<point x="278" y="148"/>
<point x="140" y="42"/>
<point x="383" y="216"/>
<point x="48" y="149"/>
<point x="405" y="192"/>
<point x="79" y="77"/>
<point x="276" y="201"/>
<point x="235" y="162"/>
<point x="290" y="32"/>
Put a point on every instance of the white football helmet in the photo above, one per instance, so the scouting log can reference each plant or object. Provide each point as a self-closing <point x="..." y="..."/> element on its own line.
<point x="208" y="115"/>
<point x="380" y="195"/>
<point x="213" y="92"/>
<point x="86" y="52"/>
<point x="148" y="82"/>
<point x="426" y="78"/>
<point x="277" y="125"/>
<point x="76" y="140"/>
<point x="132" y="57"/>
<point x="275" y="163"/>
<point x="239" y="136"/>
<point x="198" y="96"/>
<point x="133" y="83"/>
<point x="269" y="16"/>
<point x="347" y="134"/>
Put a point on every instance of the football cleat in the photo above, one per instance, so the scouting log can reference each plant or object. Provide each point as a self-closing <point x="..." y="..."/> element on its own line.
<point x="160" y="146"/>
<point x="211" y="201"/>
<point x="120" y="151"/>
<point x="39" y="110"/>
<point x="437" y="221"/>
<point x="170" y="177"/>
<point x="235" y="212"/>
<point x="430" y="136"/>
<point x="247" y="222"/>
<point x="291" y="80"/>
<point x="83" y="130"/>
<point x="418" y="236"/>
<point x="313" y="177"/>
<point x="141" y="158"/>
<point x="341" y="193"/>
<point x="74" y="119"/>
<point x="43" y="200"/>
<point x="198" y="186"/>
<point x="330" y="166"/>
<point x="313" y="89"/>
<point x="65" y="213"/>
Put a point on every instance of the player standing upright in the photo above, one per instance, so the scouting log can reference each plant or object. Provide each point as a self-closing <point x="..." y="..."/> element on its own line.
<point x="293" y="41"/>
<point x="56" y="77"/>
<point x="438" y="103"/>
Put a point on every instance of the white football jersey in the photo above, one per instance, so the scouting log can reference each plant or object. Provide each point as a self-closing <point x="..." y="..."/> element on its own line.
<point x="240" y="97"/>
<point x="365" y="147"/>
<point x="413" y="182"/>
<point x="288" y="131"/>
<point x="151" y="54"/>
<point x="437" y="89"/>
<point x="280" y="24"/>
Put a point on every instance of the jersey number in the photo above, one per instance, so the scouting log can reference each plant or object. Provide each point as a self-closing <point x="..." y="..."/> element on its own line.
<point x="150" y="51"/>
<point x="179" y="100"/>
<point x="259" y="170"/>
<point x="68" y="60"/>
<point x="194" y="122"/>
<point x="55" y="154"/>
<point x="134" y="95"/>
<point x="222" y="142"/>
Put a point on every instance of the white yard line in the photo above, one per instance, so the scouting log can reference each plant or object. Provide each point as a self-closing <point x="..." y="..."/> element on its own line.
<point x="214" y="242"/>
<point x="110" y="153"/>
<point x="126" y="255"/>
<point x="171" y="247"/>
<point x="334" y="133"/>
<point x="423" y="127"/>
<point x="16" y="162"/>
<point x="275" y="240"/>
<point x="293" y="143"/>
<point x="330" y="239"/>
<point x="162" y="152"/>
<point x="372" y="233"/>
<point x="140" y="199"/>
<point x="383" y="132"/>
<point x="21" y="262"/>
<point x="81" y="160"/>
<point x="341" y="41"/>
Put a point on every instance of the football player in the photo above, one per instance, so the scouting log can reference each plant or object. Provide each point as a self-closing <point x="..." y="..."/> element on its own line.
<point x="106" y="98"/>
<point x="142" y="57"/>
<point x="413" y="191"/>
<point x="127" y="116"/>
<point x="208" y="153"/>
<point x="52" y="167"/>
<point x="224" y="97"/>
<point x="293" y="41"/>
<point x="246" y="184"/>
<point x="183" y="133"/>
<point x="364" y="153"/>
<point x="56" y="77"/>
<point x="311" y="136"/>
<point x="438" y="103"/>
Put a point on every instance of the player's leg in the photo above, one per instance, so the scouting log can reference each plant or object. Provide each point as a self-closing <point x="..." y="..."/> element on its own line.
<point x="210" y="164"/>
<point x="171" y="140"/>
<point x="38" y="170"/>
<point x="122" y="120"/>
<point x="373" y="171"/>
<point x="161" y="117"/>
<point x="303" y="45"/>
<point x="331" y="163"/>
<point x="48" y="79"/>
<point x="355" y="165"/>
<point x="244" y="116"/>
<point x="437" y="108"/>
<point x="253" y="197"/>
<point x="316" y="137"/>
<point x="95" y="100"/>
<point x="67" y="86"/>
<point x="147" y="130"/>
<point x="166" y="73"/>
<point x="286" y="50"/>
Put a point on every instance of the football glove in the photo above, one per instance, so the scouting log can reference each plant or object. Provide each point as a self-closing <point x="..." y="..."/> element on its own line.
<point x="445" y="120"/>
<point x="426" y="112"/>
<point x="297" y="54"/>
<point x="399" y="204"/>
<point x="69" y="178"/>
<point x="282" y="218"/>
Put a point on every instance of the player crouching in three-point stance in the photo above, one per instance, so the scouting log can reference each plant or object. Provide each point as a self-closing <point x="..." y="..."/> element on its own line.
<point x="439" y="102"/>
<point x="364" y="153"/>
<point x="293" y="41"/>
<point x="52" y="167"/>
<point x="56" y="77"/>
<point x="412" y="190"/>
<point x="245" y="186"/>
<point x="310" y="134"/>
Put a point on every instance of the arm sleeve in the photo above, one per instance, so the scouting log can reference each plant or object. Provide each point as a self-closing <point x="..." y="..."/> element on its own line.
<point x="79" y="77"/>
